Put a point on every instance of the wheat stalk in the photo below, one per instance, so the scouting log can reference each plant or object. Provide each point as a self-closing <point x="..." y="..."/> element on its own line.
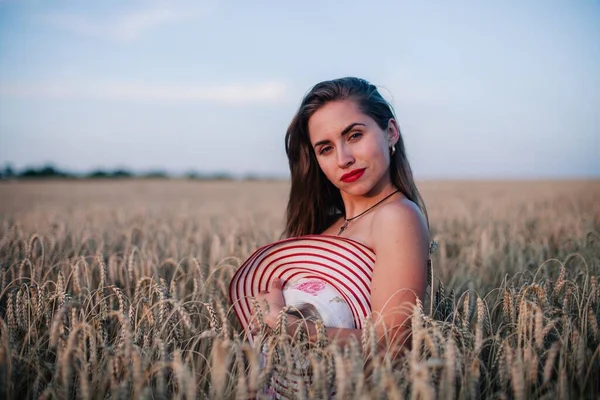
<point x="126" y="331"/>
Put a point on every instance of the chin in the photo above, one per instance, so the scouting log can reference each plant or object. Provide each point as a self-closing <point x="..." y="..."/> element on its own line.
<point x="358" y="189"/>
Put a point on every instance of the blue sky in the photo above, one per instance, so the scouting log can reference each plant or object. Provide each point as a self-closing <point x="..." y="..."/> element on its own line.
<point x="481" y="89"/>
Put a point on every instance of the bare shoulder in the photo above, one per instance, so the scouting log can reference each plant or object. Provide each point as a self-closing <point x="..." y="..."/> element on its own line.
<point x="401" y="243"/>
<point x="399" y="222"/>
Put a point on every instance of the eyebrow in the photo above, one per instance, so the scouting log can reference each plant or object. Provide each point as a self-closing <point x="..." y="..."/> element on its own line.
<point x="344" y="132"/>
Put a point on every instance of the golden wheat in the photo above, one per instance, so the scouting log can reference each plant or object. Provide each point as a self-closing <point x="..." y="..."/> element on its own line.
<point x="108" y="293"/>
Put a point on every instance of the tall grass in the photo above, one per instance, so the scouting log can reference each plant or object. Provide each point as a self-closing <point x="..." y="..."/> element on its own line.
<point x="119" y="290"/>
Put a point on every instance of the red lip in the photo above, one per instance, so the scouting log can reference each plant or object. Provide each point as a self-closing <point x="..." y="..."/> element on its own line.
<point x="352" y="175"/>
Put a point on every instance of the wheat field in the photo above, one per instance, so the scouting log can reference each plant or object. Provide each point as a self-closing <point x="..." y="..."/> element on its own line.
<point x="118" y="289"/>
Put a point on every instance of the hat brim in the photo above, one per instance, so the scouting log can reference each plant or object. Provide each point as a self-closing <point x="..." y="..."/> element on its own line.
<point x="342" y="263"/>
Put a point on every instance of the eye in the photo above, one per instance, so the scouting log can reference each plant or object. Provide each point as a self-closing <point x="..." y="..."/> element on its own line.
<point x="355" y="136"/>
<point x="325" y="150"/>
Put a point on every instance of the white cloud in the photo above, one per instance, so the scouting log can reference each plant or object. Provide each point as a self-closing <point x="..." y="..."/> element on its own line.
<point x="228" y="93"/>
<point x="122" y="26"/>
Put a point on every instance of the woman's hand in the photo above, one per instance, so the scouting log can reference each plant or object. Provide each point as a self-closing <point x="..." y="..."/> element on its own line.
<point x="270" y="302"/>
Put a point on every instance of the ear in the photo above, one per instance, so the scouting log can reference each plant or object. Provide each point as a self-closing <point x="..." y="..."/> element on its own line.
<point x="393" y="132"/>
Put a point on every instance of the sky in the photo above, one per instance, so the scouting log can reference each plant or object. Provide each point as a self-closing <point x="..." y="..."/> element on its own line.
<point x="481" y="89"/>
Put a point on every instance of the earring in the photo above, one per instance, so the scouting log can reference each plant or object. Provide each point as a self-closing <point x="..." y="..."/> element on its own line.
<point x="392" y="150"/>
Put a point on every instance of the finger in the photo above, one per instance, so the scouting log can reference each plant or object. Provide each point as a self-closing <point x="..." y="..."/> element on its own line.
<point x="276" y="284"/>
<point x="255" y="305"/>
<point x="254" y="329"/>
<point x="263" y="304"/>
<point x="258" y="305"/>
<point x="262" y="295"/>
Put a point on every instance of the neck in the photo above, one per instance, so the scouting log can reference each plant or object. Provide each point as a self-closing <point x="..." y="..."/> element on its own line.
<point x="354" y="205"/>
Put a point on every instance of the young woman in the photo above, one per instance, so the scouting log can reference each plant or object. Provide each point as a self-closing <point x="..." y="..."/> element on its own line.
<point x="357" y="230"/>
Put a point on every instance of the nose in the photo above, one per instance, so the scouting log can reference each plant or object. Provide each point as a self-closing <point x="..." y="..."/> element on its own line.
<point x="344" y="156"/>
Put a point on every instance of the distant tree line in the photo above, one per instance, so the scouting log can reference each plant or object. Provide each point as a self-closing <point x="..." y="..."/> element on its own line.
<point x="51" y="172"/>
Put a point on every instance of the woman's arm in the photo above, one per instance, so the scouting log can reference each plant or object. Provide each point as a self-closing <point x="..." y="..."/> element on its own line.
<point x="401" y="243"/>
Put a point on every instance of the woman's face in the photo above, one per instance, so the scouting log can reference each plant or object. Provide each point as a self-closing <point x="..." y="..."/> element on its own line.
<point x="351" y="149"/>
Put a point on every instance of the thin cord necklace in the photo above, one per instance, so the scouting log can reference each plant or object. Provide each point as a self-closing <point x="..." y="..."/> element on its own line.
<point x="346" y="220"/>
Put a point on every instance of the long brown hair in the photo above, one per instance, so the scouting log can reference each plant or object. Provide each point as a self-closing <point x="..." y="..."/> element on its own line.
<point x="315" y="203"/>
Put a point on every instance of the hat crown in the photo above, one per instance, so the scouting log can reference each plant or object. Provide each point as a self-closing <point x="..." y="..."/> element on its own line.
<point x="315" y="299"/>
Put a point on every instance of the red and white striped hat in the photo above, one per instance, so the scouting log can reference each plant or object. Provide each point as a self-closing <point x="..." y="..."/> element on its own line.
<point x="341" y="263"/>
